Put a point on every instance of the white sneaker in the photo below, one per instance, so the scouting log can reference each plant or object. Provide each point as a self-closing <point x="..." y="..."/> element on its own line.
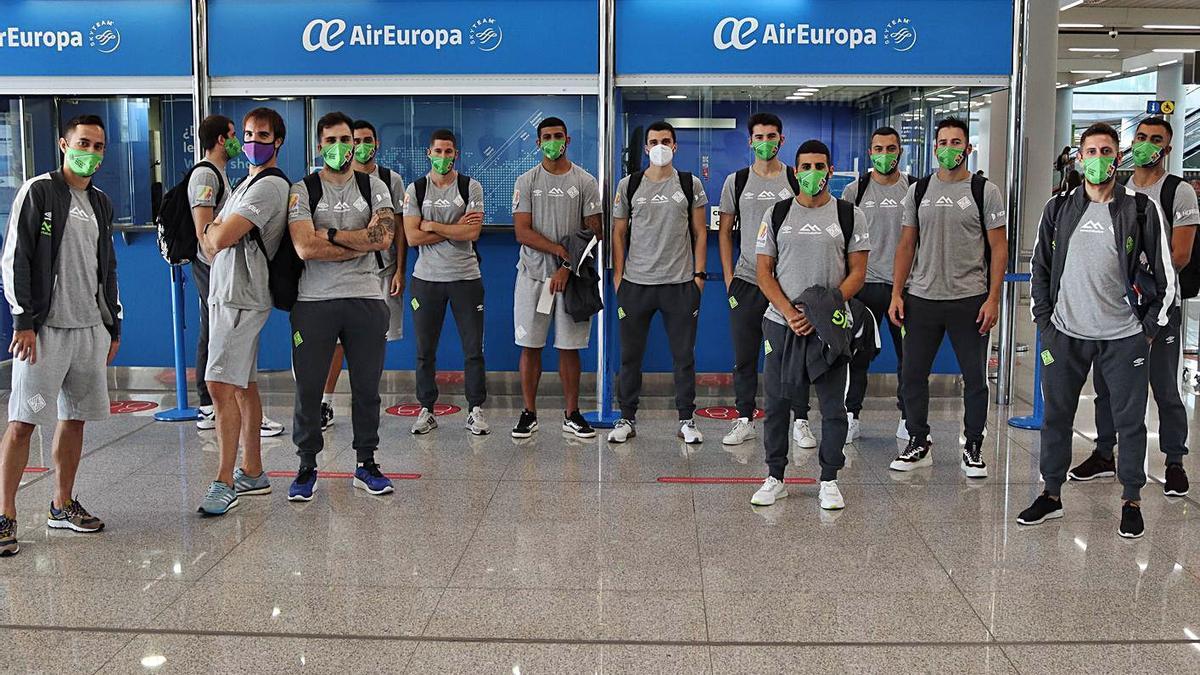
<point x="772" y="489"/>
<point x="853" y="429"/>
<point x="476" y="424"/>
<point x="803" y="435"/>
<point x="425" y="423"/>
<point x="208" y="418"/>
<point x="689" y="433"/>
<point x="902" y="430"/>
<point x="742" y="431"/>
<point x="622" y="431"/>
<point x="270" y="428"/>
<point x="831" y="496"/>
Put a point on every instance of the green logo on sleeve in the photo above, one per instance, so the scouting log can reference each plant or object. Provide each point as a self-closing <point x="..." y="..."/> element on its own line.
<point x="767" y="347"/>
<point x="45" y="228"/>
<point x="296" y="339"/>
<point x="733" y="303"/>
<point x="1047" y="357"/>
<point x="620" y="313"/>
<point x="415" y="305"/>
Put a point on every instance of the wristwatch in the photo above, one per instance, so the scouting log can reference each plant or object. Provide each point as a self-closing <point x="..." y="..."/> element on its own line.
<point x="702" y="276"/>
<point x="331" y="233"/>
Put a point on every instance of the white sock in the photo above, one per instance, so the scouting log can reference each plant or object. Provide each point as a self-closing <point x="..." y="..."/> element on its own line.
<point x="327" y="398"/>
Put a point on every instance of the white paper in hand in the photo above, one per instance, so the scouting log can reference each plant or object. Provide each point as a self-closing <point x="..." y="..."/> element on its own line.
<point x="545" y="299"/>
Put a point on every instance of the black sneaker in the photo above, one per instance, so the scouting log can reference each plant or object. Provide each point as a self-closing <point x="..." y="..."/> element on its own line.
<point x="1095" y="466"/>
<point x="1132" y="525"/>
<point x="526" y="425"/>
<point x="326" y="415"/>
<point x="1043" y="508"/>
<point x="1177" y="482"/>
<point x="576" y="424"/>
<point x="915" y="455"/>
<point x="972" y="464"/>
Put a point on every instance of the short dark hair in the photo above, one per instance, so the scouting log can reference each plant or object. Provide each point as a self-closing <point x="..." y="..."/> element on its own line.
<point x="550" y="122"/>
<point x="1157" y="122"/>
<point x="212" y="128"/>
<point x="82" y="120"/>
<point x="765" y="119"/>
<point x="812" y="145"/>
<point x="885" y="131"/>
<point x="952" y="123"/>
<point x="363" y="124"/>
<point x="332" y="119"/>
<point x="443" y="135"/>
<point x="661" y="125"/>
<point x="268" y="115"/>
<point x="1101" y="129"/>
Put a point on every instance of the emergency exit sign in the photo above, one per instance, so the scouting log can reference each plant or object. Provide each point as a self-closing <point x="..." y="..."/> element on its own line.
<point x="1160" y="107"/>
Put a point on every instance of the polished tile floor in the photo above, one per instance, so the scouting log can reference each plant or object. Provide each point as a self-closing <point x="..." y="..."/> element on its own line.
<point x="554" y="555"/>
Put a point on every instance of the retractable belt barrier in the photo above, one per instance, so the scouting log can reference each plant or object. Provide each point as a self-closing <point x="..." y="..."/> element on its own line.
<point x="181" y="412"/>
<point x="1034" y="421"/>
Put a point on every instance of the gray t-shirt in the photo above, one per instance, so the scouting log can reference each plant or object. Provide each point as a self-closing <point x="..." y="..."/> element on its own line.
<point x="1091" y="303"/>
<point x="759" y="195"/>
<point x="1184" y="207"/>
<point x="446" y="260"/>
<point x="659" y="243"/>
<point x="75" y="300"/>
<point x="810" y="249"/>
<point x="202" y="189"/>
<point x="882" y="206"/>
<point x="342" y="207"/>
<point x="397" y="190"/>
<point x="559" y="203"/>
<point x="239" y="273"/>
<point x="950" y="264"/>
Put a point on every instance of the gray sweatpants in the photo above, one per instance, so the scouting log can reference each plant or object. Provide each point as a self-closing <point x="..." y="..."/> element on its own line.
<point x="1065" y="365"/>
<point x="680" y="308"/>
<point x="429" y="300"/>
<point x="361" y="325"/>
<point x="1164" y="382"/>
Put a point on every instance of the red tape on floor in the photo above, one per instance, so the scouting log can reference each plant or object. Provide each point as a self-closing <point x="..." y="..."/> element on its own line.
<point x="729" y="480"/>
<point x="36" y="469"/>
<point x="342" y="474"/>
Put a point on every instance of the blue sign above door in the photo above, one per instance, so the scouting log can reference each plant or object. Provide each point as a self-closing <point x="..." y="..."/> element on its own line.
<point x="80" y="37"/>
<point x="403" y="37"/>
<point x="836" y="37"/>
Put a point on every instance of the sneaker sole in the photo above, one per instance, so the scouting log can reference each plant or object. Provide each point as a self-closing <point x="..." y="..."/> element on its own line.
<point x="525" y="434"/>
<point x="1049" y="516"/>
<point x="209" y="514"/>
<point x="911" y="466"/>
<point x="1174" y="493"/>
<point x="475" y="432"/>
<point x="726" y="441"/>
<point x="254" y="492"/>
<point x="10" y="552"/>
<point x="972" y="472"/>
<point x="697" y="441"/>
<point x="805" y="445"/>
<point x="834" y="507"/>
<point x="363" y="486"/>
<point x="1084" y="479"/>
<point x="269" y="433"/>
<point x="1130" y="536"/>
<point x="302" y="498"/>
<point x="415" y="432"/>
<point x="779" y="496"/>
<point x="206" y="426"/>
<point x="68" y="525"/>
<point x="578" y="434"/>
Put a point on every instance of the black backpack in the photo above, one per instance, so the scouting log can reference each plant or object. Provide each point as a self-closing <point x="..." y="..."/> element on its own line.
<point x="1189" y="276"/>
<point x="421" y="186"/>
<point x="977" y="184"/>
<point x="283" y="270"/>
<point x="865" y="179"/>
<point x="176" y="230"/>
<point x="739" y="186"/>
<point x="845" y="212"/>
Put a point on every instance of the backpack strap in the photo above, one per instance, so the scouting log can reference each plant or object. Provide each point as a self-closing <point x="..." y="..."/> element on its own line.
<point x="420" y="186"/>
<point x="779" y="213"/>
<point x="918" y="197"/>
<point x="845" y="213"/>
<point x="910" y="178"/>
<point x="631" y="188"/>
<point x="792" y="180"/>
<point x="364" y="188"/>
<point x="977" y="186"/>
<point x="739" y="186"/>
<point x="863" y="181"/>
<point x="464" y="191"/>
<point x="312" y="183"/>
<point x="1166" y="197"/>
<point x="689" y="191"/>
<point x="255" y="233"/>
<point x="385" y="175"/>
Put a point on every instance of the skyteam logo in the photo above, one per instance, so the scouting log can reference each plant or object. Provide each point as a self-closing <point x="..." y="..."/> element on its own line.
<point x="104" y="37"/>
<point x="744" y="33"/>
<point x="486" y="35"/>
<point x="900" y="35"/>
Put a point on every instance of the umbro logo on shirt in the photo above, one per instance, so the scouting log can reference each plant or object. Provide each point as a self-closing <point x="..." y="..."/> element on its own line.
<point x="1093" y="227"/>
<point x="945" y="201"/>
<point x="80" y="214"/>
<point x="538" y="193"/>
<point x="869" y="204"/>
<point x="786" y="229"/>
<point x="659" y="199"/>
<point x="322" y="206"/>
<point x="640" y="201"/>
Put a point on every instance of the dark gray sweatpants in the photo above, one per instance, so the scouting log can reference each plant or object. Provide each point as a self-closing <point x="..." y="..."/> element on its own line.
<point x="429" y="300"/>
<point x="1065" y="365"/>
<point x="831" y="396"/>
<point x="877" y="297"/>
<point x="200" y="273"/>
<point x="361" y="325"/>
<point x="747" y="304"/>
<point x="680" y="308"/>
<point x="1164" y="383"/>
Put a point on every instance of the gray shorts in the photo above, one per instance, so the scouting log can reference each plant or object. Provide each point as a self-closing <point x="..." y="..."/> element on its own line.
<point x="396" y="308"/>
<point x="531" y="327"/>
<point x="233" y="344"/>
<point x="69" y="380"/>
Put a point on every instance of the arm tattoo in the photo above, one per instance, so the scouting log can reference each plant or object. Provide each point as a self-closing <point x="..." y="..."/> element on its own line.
<point x="385" y="220"/>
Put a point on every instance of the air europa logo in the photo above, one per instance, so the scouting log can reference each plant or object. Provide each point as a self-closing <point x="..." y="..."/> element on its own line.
<point x="743" y="33"/>
<point x="331" y="35"/>
<point x="102" y="35"/>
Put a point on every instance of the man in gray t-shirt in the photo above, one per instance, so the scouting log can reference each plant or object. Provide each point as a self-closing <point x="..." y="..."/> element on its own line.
<point x="659" y="240"/>
<point x="443" y="217"/>
<point x="551" y="203"/>
<point x="339" y="219"/>
<point x="954" y="229"/>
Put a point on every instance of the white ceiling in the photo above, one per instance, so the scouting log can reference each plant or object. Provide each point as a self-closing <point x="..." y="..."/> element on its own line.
<point x="1135" y="44"/>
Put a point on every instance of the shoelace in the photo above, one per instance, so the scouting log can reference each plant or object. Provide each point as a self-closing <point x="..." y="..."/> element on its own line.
<point x="214" y="491"/>
<point x="974" y="453"/>
<point x="373" y="469"/>
<point x="306" y="476"/>
<point x="912" y="450"/>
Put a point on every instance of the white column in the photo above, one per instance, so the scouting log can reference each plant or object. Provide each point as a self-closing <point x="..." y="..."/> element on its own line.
<point x="984" y="149"/>
<point x="1038" y="119"/>
<point x="1064" y="105"/>
<point x="997" y="167"/>
<point x="1170" y="88"/>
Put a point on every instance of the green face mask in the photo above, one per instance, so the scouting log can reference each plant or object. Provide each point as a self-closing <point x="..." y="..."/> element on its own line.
<point x="442" y="165"/>
<point x="1146" y="153"/>
<point x="949" y="158"/>
<point x="1098" y="170"/>
<point x="766" y="150"/>
<point x="83" y="163"/>
<point x="336" y="155"/>
<point x="885" y="162"/>
<point x="364" y="152"/>
<point x="812" y="181"/>
<point x="233" y="148"/>
<point x="554" y="149"/>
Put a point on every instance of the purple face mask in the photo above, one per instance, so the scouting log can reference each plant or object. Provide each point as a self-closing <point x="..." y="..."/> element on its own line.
<point x="258" y="153"/>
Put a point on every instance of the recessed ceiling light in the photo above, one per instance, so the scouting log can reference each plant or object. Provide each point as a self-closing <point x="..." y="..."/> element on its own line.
<point x="1080" y="25"/>
<point x="1083" y="81"/>
<point x="916" y="98"/>
<point x="1169" y="26"/>
<point x="676" y="96"/>
<point x="1060" y="85"/>
<point x="961" y="92"/>
<point x="1167" y="63"/>
<point x="1090" y="72"/>
<point x="1173" y="51"/>
<point x="1069" y="5"/>
<point x="1137" y="70"/>
<point x="1102" y="50"/>
<point x="794" y="97"/>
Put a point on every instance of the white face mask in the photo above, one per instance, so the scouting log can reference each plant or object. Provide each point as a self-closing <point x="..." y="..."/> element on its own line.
<point x="661" y="155"/>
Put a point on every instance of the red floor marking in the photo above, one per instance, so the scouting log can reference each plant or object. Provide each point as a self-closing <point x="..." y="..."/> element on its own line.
<point x="715" y="380"/>
<point x="126" y="407"/>
<point x="730" y="480"/>
<point x="342" y="474"/>
<point x="36" y="469"/>
<point x="414" y="409"/>
<point x="721" y="412"/>
<point x="450" y="377"/>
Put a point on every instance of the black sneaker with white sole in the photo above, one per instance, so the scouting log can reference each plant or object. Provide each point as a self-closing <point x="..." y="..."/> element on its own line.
<point x="973" y="465"/>
<point x="326" y="415"/>
<point x="574" y="423"/>
<point x="1132" y="525"/>
<point x="1043" y="508"/>
<point x="916" y="454"/>
<point x="1095" y="466"/>
<point x="526" y="425"/>
<point x="1176" y="484"/>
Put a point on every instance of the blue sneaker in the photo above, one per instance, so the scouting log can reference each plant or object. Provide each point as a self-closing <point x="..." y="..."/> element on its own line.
<point x="219" y="500"/>
<point x="368" y="477"/>
<point x="304" y="486"/>
<point x="245" y="484"/>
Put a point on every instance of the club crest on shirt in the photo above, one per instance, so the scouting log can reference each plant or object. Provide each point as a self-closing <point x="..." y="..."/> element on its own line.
<point x="834" y="230"/>
<point x="678" y="197"/>
<point x="458" y="200"/>
<point x="572" y="192"/>
<point x="964" y="203"/>
<point x="360" y="204"/>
